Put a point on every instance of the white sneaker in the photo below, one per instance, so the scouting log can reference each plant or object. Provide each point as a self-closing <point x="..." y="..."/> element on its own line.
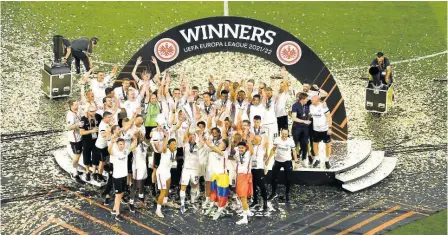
<point x="217" y="214"/>
<point x="250" y="213"/>
<point x="305" y="163"/>
<point x="210" y="209"/>
<point x="242" y="221"/>
<point x="159" y="213"/>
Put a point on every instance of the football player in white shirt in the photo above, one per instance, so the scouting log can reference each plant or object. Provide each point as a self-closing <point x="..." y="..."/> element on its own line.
<point x="321" y="129"/>
<point x="101" y="153"/>
<point x="126" y="133"/>
<point x="119" y="157"/>
<point x="163" y="173"/>
<point x="258" y="129"/>
<point x="307" y="89"/>
<point x="190" y="170"/>
<point x="146" y="75"/>
<point x="244" y="179"/>
<point x="250" y="88"/>
<point x="283" y="146"/>
<point x="240" y="105"/>
<point x="111" y="105"/>
<point x="139" y="169"/>
<point x="87" y="100"/>
<point x="270" y="120"/>
<point x="256" y="108"/>
<point x="100" y="84"/>
<point x="122" y="91"/>
<point x="112" y="132"/>
<point x="74" y="137"/>
<point x="202" y="135"/>
<point x="217" y="166"/>
<point x="280" y="104"/>
<point x="134" y="101"/>
<point x="258" y="170"/>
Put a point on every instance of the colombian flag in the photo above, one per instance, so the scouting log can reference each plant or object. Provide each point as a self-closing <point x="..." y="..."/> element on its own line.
<point x="220" y="189"/>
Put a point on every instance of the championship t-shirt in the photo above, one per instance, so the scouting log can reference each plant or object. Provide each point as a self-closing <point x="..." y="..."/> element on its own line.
<point x="73" y="135"/>
<point x="243" y="162"/>
<point x="258" y="157"/>
<point x="269" y="115"/>
<point x="120" y="161"/>
<point x="280" y="106"/>
<point x="101" y="142"/>
<point x="284" y="147"/>
<point x="89" y="124"/>
<point x="191" y="152"/>
<point x="320" y="122"/>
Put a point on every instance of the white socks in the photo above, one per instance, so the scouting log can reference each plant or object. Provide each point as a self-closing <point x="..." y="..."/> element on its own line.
<point x="182" y="197"/>
<point x="131" y="201"/>
<point x="165" y="200"/>
<point x="193" y="193"/>
<point x="327" y="159"/>
<point x="141" y="196"/>
<point x="159" y="207"/>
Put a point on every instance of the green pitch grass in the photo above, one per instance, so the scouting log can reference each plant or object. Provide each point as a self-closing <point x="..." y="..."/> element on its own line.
<point x="345" y="33"/>
<point x="432" y="225"/>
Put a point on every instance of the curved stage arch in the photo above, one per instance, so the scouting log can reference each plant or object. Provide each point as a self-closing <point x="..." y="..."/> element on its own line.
<point x="244" y="35"/>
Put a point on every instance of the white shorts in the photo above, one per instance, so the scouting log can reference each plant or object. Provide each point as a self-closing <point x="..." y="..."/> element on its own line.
<point x="189" y="176"/>
<point x="212" y="170"/>
<point x="162" y="177"/>
<point x="202" y="169"/>
<point x="139" y="173"/>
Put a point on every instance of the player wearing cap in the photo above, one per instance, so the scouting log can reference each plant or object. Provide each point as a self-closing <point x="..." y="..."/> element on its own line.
<point x="321" y="129"/>
<point x="89" y="133"/>
<point x="163" y="174"/>
<point x="119" y="158"/>
<point x="244" y="179"/>
<point x="74" y="137"/>
<point x="283" y="146"/>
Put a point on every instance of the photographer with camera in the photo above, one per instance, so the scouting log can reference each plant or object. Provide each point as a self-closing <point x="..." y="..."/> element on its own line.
<point x="81" y="49"/>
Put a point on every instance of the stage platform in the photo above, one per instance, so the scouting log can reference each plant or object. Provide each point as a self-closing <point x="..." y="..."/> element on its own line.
<point x="354" y="166"/>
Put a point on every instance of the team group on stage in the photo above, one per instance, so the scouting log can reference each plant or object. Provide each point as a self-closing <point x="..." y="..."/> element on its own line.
<point x="224" y="138"/>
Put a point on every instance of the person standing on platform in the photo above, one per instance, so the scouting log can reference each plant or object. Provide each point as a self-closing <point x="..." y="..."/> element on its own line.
<point x="74" y="137"/>
<point x="244" y="181"/>
<point x="321" y="129"/>
<point x="163" y="172"/>
<point x="81" y="49"/>
<point x="89" y="133"/>
<point x="258" y="166"/>
<point x="300" y="126"/>
<point x="280" y="107"/>
<point x="119" y="158"/>
<point x="283" y="146"/>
